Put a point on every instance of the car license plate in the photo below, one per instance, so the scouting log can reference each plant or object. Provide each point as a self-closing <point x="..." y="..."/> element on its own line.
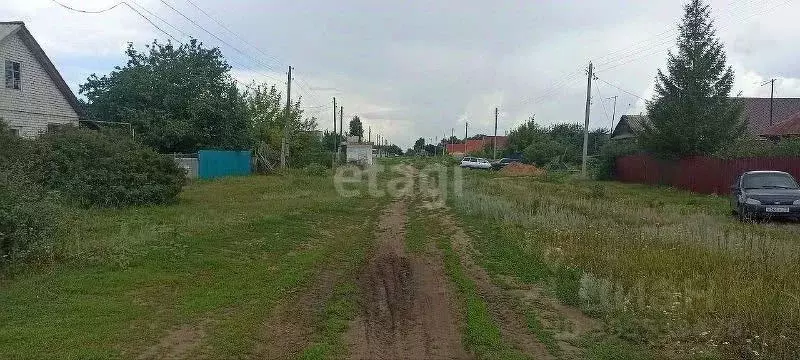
<point x="777" y="209"/>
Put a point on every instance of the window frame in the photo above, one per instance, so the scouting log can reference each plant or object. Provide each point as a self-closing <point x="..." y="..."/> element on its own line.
<point x="15" y="81"/>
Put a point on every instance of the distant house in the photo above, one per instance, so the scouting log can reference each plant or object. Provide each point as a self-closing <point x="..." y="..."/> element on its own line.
<point x="476" y="145"/>
<point x="34" y="96"/>
<point x="786" y="129"/>
<point x="755" y="114"/>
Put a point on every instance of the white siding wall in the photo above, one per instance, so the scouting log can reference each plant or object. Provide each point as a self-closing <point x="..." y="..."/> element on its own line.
<point x="39" y="102"/>
<point x="360" y="152"/>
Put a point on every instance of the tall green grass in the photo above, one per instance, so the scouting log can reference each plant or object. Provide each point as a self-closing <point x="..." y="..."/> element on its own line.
<point x="665" y="268"/>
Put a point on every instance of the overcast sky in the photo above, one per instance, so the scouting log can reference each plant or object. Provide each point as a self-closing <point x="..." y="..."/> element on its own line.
<point x="414" y="69"/>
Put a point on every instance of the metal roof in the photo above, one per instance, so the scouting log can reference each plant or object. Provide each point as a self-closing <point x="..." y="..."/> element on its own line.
<point x="18" y="27"/>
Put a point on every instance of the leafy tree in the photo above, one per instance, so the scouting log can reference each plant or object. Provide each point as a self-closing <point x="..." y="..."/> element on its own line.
<point x="178" y="99"/>
<point x="267" y="115"/>
<point x="419" y="144"/>
<point x="356" y="128"/>
<point x="394" y="150"/>
<point x="476" y="137"/>
<point x="543" y="152"/>
<point x="691" y="112"/>
<point x="431" y="149"/>
<point x="453" y="140"/>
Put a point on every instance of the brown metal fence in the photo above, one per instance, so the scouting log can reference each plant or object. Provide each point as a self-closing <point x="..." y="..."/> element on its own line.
<point x="701" y="174"/>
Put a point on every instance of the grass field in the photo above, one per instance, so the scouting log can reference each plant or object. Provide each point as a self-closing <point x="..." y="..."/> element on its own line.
<point x="274" y="266"/>
<point x="667" y="271"/>
<point x="204" y="274"/>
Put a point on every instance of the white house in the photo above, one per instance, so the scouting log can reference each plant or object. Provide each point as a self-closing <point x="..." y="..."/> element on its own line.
<point x="34" y="95"/>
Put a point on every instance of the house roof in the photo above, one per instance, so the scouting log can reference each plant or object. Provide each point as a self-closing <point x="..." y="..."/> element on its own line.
<point x="756" y="112"/>
<point x="9" y="28"/>
<point x="475" y="145"/>
<point x="628" y="126"/>
<point x="790" y="127"/>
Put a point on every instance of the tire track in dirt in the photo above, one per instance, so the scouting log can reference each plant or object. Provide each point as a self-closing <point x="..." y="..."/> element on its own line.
<point x="567" y="324"/>
<point x="407" y="305"/>
<point x="289" y="329"/>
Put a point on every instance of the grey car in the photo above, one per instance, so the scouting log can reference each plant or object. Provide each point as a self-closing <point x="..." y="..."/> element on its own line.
<point x="767" y="194"/>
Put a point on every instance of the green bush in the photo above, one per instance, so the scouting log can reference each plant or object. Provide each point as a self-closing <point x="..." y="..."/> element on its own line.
<point x="315" y="169"/>
<point x="29" y="217"/>
<point x="604" y="163"/>
<point x="95" y="168"/>
<point x="755" y="147"/>
<point x="543" y="152"/>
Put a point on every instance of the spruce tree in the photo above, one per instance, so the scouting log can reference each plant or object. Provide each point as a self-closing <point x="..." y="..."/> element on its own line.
<point x="691" y="112"/>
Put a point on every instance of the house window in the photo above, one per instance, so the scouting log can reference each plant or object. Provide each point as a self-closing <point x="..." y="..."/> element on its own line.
<point x="14" y="132"/>
<point x="13" y="75"/>
<point x="51" y="127"/>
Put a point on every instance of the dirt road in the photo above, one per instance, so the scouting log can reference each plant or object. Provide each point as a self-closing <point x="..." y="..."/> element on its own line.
<point x="408" y="309"/>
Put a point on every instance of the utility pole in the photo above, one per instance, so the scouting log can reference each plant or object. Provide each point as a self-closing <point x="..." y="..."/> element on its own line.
<point x="494" y="154"/>
<point x="285" y="143"/>
<point x="771" y="97"/>
<point x="466" y="132"/>
<point x="369" y="137"/>
<point x="341" y="115"/>
<point x="586" y="121"/>
<point x="771" y="100"/>
<point x="613" y="116"/>
<point x="334" y="124"/>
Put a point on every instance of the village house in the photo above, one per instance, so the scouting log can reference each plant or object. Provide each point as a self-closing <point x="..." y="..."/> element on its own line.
<point x="476" y="145"/>
<point x="34" y="96"/>
<point x="756" y="114"/>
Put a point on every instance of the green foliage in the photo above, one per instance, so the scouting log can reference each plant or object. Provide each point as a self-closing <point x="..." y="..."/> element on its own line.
<point x="560" y="143"/>
<point x="178" y="99"/>
<point x="267" y="114"/>
<point x="605" y="163"/>
<point x="419" y="144"/>
<point x="394" y="150"/>
<point x="692" y="113"/>
<point x="28" y="218"/>
<point x="356" y="128"/>
<point x="542" y="152"/>
<point x="28" y="213"/>
<point x="105" y="169"/>
<point x="755" y="147"/>
<point x="315" y="169"/>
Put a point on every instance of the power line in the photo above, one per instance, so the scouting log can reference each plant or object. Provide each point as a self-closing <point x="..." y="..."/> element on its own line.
<point x="302" y="84"/>
<point x="600" y="99"/>
<point x="114" y="6"/>
<point x="89" y="11"/>
<point x="213" y="35"/>
<point x="162" y="20"/>
<point x="239" y="37"/>
<point x="621" y="89"/>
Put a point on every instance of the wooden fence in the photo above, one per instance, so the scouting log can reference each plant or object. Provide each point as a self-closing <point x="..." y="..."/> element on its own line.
<point x="701" y="174"/>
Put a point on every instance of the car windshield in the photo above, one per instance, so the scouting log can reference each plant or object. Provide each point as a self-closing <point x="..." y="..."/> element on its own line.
<point x="768" y="181"/>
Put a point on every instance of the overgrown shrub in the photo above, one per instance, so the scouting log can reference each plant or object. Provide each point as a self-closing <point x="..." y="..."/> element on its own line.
<point x="315" y="169"/>
<point x="604" y="163"/>
<point x="104" y="169"/>
<point x="29" y="217"/>
<point x="28" y="213"/>
<point x="754" y="147"/>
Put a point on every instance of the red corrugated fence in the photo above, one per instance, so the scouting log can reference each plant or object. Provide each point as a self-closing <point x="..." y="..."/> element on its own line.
<point x="701" y="174"/>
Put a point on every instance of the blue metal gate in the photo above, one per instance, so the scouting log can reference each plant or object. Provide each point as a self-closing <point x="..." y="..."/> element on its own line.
<point x="215" y="163"/>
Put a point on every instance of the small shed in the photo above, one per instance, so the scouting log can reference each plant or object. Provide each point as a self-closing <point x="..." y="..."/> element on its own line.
<point x="359" y="152"/>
